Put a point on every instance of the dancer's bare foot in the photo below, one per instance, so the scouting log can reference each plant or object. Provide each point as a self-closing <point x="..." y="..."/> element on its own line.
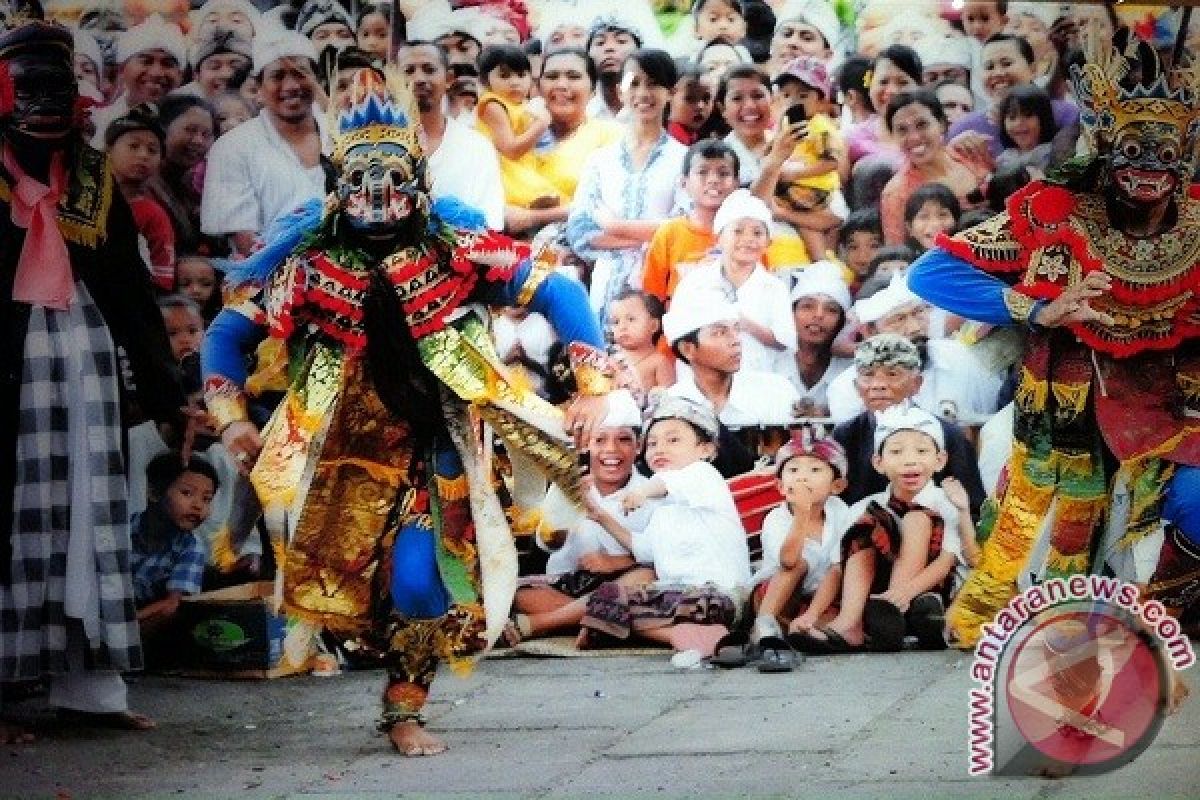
<point x="410" y="739"/>
<point x="11" y="733"/>
<point x="701" y="638"/>
<point x="116" y="720"/>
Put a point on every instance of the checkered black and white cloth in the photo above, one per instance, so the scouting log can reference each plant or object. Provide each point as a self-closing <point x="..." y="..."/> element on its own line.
<point x="69" y="358"/>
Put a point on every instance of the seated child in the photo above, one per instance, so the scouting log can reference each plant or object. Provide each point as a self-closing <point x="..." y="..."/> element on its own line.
<point x="167" y="559"/>
<point x="710" y="174"/>
<point x="809" y="186"/>
<point x="800" y="540"/>
<point x="635" y="326"/>
<point x="134" y="144"/>
<point x="514" y="127"/>
<point x="694" y="541"/>
<point x="589" y="556"/>
<point x="896" y="569"/>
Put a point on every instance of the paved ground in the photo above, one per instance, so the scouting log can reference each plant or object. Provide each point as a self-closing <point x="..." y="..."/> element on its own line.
<point x="857" y="726"/>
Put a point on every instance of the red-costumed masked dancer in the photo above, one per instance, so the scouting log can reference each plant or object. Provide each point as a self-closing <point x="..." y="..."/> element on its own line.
<point x="1101" y="265"/>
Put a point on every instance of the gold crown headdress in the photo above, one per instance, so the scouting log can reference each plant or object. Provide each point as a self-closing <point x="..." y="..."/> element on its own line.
<point x="1110" y="97"/>
<point x="374" y="110"/>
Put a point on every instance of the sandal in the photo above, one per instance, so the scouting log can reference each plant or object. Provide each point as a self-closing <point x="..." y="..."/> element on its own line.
<point x="884" y="625"/>
<point x="926" y="619"/>
<point x="732" y="650"/>
<point x="776" y="655"/>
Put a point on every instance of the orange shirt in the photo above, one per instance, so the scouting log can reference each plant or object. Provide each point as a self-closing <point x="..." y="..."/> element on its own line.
<point x="677" y="241"/>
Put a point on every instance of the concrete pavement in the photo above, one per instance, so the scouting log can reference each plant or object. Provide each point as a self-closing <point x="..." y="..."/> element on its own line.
<point x="851" y="726"/>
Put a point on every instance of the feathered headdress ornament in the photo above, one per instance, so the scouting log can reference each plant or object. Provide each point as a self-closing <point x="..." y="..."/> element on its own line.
<point x="377" y="108"/>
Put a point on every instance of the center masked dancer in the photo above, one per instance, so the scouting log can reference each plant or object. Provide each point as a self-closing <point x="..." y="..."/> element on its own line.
<point x="374" y="469"/>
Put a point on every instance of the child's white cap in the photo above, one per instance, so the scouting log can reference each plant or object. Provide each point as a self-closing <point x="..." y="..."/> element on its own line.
<point x="741" y="204"/>
<point x="905" y="417"/>
<point x="623" y="411"/>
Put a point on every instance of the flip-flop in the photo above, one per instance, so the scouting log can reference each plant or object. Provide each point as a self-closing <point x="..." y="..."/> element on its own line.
<point x="884" y="625"/>
<point x="834" y="644"/>
<point x="733" y="650"/>
<point x="926" y="619"/>
<point x="776" y="655"/>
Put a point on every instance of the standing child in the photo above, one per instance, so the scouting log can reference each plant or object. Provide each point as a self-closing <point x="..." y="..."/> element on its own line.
<point x="710" y="174"/>
<point x="375" y="29"/>
<point x="197" y="279"/>
<point x="719" y="19"/>
<point x="930" y="210"/>
<point x="768" y="328"/>
<point x="808" y="190"/>
<point x="800" y="542"/>
<point x="1027" y="129"/>
<point x="691" y="105"/>
<point x="514" y="125"/>
<point x="694" y="541"/>
<point x="635" y="326"/>
<point x="167" y="559"/>
<point x="898" y="556"/>
<point x="859" y="239"/>
<point x="134" y="144"/>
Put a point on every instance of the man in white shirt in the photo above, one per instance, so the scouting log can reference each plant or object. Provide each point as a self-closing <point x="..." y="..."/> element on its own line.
<point x="150" y="59"/>
<point x="955" y="384"/>
<point x="462" y="162"/>
<point x="702" y="329"/>
<point x="270" y="164"/>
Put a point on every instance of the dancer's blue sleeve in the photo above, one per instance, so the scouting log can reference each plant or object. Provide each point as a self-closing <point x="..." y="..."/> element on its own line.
<point x="226" y="342"/>
<point x="560" y="298"/>
<point x="951" y="283"/>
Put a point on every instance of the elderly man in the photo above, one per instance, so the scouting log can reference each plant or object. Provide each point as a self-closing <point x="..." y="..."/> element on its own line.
<point x="590" y="555"/>
<point x="610" y="41"/>
<point x="955" y="383"/>
<point x="326" y="24"/>
<point x="150" y="57"/>
<point x="462" y="162"/>
<point x="273" y="163"/>
<point x="887" y="373"/>
<point x="703" y="331"/>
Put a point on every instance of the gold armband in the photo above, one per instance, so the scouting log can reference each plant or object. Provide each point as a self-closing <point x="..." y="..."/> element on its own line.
<point x="226" y="402"/>
<point x="593" y="369"/>
<point x="544" y="262"/>
<point x="1020" y="307"/>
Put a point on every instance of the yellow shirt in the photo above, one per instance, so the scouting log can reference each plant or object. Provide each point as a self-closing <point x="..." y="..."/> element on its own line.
<point x="823" y="141"/>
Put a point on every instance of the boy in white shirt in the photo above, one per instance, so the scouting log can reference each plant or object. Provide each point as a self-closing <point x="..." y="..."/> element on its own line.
<point x="800" y="540"/>
<point x="898" y="556"/>
<point x="694" y="541"/>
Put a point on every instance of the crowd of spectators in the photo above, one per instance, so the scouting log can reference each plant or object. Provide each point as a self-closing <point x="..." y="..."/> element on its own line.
<point x="741" y="185"/>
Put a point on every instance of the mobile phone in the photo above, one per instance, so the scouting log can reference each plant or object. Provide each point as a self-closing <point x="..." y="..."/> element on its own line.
<point x="795" y="115"/>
